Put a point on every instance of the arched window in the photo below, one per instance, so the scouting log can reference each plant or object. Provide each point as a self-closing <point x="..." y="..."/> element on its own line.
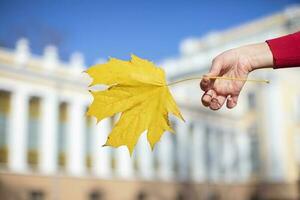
<point x="36" y="195"/>
<point x="141" y="195"/>
<point x="213" y="196"/>
<point x="180" y="196"/>
<point x="95" y="195"/>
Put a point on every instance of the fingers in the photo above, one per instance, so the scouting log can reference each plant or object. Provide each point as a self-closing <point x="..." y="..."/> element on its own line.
<point x="232" y="101"/>
<point x="217" y="102"/>
<point x="211" y="100"/>
<point x="207" y="97"/>
<point x="206" y="83"/>
<point x="214" y="102"/>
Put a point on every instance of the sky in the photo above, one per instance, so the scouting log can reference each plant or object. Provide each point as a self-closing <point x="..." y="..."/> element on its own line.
<point x="151" y="29"/>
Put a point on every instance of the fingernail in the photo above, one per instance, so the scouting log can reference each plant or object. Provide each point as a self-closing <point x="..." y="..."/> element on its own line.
<point x="206" y="104"/>
<point x="214" y="100"/>
<point x="215" y="104"/>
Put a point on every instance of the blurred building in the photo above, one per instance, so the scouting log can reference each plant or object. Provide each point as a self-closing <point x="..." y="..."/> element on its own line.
<point x="50" y="150"/>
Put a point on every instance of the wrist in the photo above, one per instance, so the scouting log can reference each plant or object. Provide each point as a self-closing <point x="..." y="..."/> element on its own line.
<point x="260" y="55"/>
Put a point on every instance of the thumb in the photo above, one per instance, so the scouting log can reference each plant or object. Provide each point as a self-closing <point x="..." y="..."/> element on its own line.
<point x="215" y="70"/>
<point x="216" y="67"/>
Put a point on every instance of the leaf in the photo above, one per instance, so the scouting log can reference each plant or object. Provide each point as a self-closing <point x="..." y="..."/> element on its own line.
<point x="138" y="90"/>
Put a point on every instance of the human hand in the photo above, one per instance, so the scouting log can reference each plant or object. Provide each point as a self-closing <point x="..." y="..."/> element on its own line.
<point x="234" y="63"/>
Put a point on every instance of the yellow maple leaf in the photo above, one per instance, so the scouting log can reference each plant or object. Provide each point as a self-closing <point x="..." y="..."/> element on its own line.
<point x="138" y="90"/>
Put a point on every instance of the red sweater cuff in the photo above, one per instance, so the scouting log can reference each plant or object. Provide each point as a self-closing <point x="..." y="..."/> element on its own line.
<point x="285" y="50"/>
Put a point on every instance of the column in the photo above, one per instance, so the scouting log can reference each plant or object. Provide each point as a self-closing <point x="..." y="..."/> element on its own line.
<point x="144" y="158"/>
<point x="198" y="153"/>
<point x="49" y="127"/>
<point x="244" y="165"/>
<point x="277" y="158"/>
<point x="165" y="155"/>
<point x="18" y="130"/>
<point x="101" y="155"/>
<point x="124" y="164"/>
<point x="182" y="134"/>
<point x="75" y="137"/>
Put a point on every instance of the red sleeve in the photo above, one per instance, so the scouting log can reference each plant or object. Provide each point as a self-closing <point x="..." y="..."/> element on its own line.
<point x="286" y="50"/>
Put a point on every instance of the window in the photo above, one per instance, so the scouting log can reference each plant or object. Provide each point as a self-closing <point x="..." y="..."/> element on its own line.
<point x="113" y="162"/>
<point x="254" y="149"/>
<point x="4" y="112"/>
<point x="155" y="153"/>
<point x="33" y="131"/>
<point x="36" y="195"/>
<point x="297" y="108"/>
<point x="251" y="100"/>
<point x="88" y="143"/>
<point x="207" y="150"/>
<point x="95" y="195"/>
<point x="189" y="149"/>
<point x="175" y="149"/>
<point x="62" y="133"/>
<point x="135" y="163"/>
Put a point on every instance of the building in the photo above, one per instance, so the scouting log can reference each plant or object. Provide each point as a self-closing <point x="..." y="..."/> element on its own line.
<point x="50" y="150"/>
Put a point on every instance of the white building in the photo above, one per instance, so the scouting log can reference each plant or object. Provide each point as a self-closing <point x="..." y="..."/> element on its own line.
<point x="48" y="147"/>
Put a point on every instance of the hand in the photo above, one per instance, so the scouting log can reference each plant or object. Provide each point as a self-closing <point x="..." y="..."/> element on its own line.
<point x="234" y="63"/>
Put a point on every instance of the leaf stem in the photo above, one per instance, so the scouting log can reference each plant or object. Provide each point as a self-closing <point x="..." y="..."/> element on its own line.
<point x="220" y="77"/>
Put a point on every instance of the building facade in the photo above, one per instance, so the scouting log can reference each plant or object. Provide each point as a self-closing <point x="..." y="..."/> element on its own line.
<point x="49" y="149"/>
